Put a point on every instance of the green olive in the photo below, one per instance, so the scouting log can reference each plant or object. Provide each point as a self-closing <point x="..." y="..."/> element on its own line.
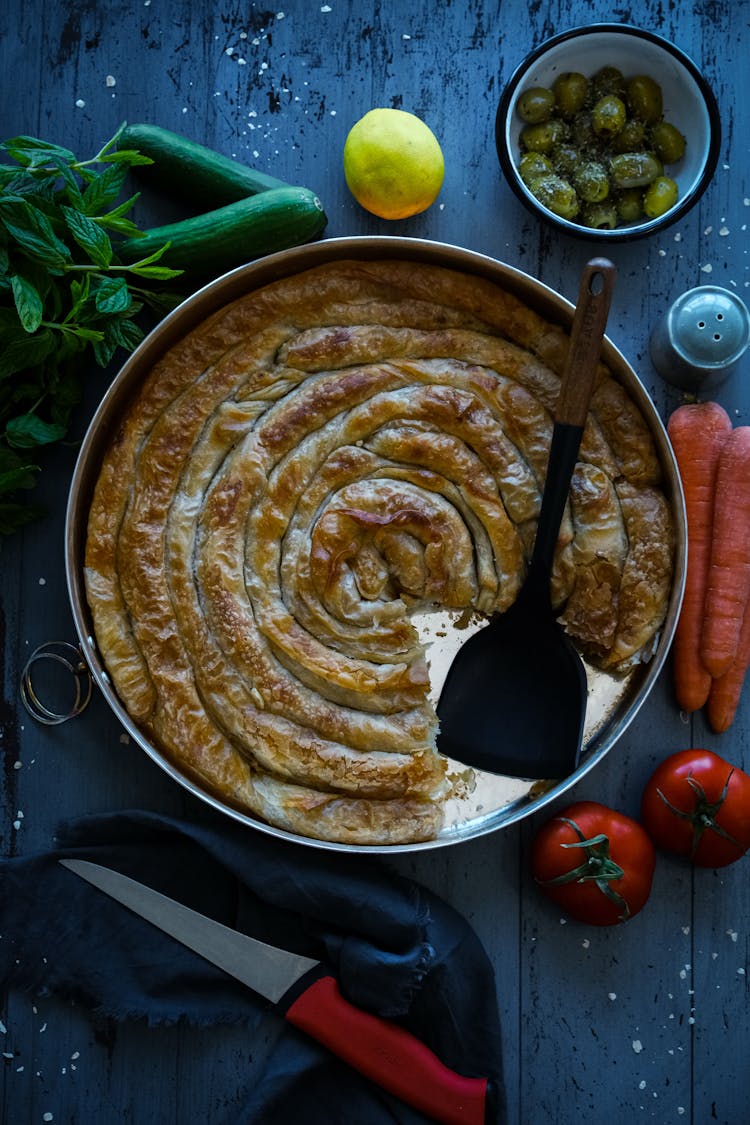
<point x="667" y="142"/>
<point x="536" y="104"/>
<point x="608" y="116"/>
<point x="644" y="98"/>
<point x="601" y="216"/>
<point x="629" y="204"/>
<point x="660" y="197"/>
<point x="543" y="136"/>
<point x="591" y="181"/>
<point x="532" y="165"/>
<point x="565" y="159"/>
<point x="608" y="80"/>
<point x="570" y="90"/>
<point x="634" y="169"/>
<point x="556" y="194"/>
<point x="582" y="130"/>
<point x="630" y="138"/>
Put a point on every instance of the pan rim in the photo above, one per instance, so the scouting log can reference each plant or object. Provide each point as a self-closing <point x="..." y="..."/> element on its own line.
<point x="254" y="275"/>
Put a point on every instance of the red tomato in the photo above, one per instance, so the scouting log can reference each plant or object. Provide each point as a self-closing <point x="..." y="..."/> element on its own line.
<point x="698" y="805"/>
<point x="595" y="863"/>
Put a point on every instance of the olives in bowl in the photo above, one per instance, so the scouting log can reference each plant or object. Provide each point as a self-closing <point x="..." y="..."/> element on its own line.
<point x="608" y="132"/>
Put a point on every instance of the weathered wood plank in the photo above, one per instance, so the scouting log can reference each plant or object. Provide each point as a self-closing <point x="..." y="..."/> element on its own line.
<point x="596" y="1023"/>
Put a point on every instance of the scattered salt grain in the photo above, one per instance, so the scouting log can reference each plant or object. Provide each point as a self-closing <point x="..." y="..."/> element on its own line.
<point x="42" y="581"/>
<point x="642" y="1084"/>
<point x="708" y="268"/>
<point x="686" y="930"/>
<point x="326" y="8"/>
<point x="741" y="972"/>
<point x="110" y="80"/>
<point x="724" y="231"/>
<point x="76" y="1055"/>
<point x="732" y="934"/>
<point x="585" y="943"/>
<point x="47" y="1117"/>
<point x="612" y="995"/>
<point x="637" y="1046"/>
<point x="80" y="103"/>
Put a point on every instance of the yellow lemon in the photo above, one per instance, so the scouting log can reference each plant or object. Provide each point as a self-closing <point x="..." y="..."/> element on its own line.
<point x="393" y="163"/>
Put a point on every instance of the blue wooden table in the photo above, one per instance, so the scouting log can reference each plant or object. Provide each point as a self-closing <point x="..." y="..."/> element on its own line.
<point x="642" y="1022"/>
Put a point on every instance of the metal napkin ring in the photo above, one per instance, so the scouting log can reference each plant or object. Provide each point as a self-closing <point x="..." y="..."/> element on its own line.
<point x="71" y="657"/>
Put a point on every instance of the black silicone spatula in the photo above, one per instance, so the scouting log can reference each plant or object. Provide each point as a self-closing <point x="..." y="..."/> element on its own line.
<point x="514" y="700"/>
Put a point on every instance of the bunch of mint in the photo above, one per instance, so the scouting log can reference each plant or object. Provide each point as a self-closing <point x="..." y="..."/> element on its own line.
<point x="65" y="299"/>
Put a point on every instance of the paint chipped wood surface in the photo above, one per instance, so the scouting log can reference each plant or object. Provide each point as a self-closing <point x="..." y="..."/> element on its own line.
<point x="645" y="1022"/>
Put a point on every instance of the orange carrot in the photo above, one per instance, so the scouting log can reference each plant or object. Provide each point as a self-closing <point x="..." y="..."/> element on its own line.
<point x="724" y="697"/>
<point x="729" y="572"/>
<point x="697" y="432"/>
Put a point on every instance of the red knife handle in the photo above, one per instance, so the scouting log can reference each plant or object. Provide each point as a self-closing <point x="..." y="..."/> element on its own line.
<point x="386" y="1053"/>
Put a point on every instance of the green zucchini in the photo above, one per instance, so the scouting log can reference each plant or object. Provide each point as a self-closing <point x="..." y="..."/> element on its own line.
<point x="217" y="241"/>
<point x="190" y="172"/>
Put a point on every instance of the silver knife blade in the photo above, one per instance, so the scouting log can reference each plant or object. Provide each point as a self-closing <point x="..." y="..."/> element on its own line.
<point x="265" y="969"/>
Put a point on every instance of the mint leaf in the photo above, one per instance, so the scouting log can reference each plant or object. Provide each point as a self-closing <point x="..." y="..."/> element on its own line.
<point x="104" y="189"/>
<point x="28" y="303"/>
<point x="89" y="236"/>
<point x="125" y="333"/>
<point x="28" y="352"/>
<point x="20" y="477"/>
<point x="127" y="156"/>
<point x="30" y="150"/>
<point x="28" y="430"/>
<point x="33" y="231"/>
<point x="157" y="273"/>
<point x="112" y="296"/>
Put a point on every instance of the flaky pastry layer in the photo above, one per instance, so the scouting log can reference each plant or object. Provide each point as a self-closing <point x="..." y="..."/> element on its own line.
<point x="308" y="467"/>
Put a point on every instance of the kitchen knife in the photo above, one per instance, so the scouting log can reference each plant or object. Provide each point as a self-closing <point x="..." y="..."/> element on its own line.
<point x="307" y="995"/>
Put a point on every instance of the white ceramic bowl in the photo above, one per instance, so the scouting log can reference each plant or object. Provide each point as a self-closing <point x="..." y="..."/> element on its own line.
<point x="689" y="104"/>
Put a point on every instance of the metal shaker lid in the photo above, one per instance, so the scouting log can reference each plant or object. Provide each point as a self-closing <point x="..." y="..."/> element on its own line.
<point x="709" y="327"/>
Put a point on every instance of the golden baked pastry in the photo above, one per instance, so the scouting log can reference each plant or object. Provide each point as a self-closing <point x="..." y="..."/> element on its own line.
<point x="303" y="470"/>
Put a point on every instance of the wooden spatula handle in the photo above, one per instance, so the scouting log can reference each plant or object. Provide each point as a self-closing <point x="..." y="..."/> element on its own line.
<point x="592" y="309"/>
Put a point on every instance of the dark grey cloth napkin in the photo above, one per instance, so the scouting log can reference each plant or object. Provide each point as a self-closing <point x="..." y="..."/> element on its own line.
<point x="397" y="949"/>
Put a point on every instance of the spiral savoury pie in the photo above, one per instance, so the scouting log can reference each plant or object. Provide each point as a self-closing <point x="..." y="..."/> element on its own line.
<point x="303" y="471"/>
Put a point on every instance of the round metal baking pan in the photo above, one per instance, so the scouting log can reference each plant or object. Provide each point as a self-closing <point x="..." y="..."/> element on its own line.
<point x="613" y="701"/>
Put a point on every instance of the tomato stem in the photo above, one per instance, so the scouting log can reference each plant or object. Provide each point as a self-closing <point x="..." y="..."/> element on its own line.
<point x="703" y="814"/>
<point x="598" y="867"/>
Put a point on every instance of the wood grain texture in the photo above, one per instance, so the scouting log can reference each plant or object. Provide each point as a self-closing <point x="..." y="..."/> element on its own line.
<point x="644" y="1022"/>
